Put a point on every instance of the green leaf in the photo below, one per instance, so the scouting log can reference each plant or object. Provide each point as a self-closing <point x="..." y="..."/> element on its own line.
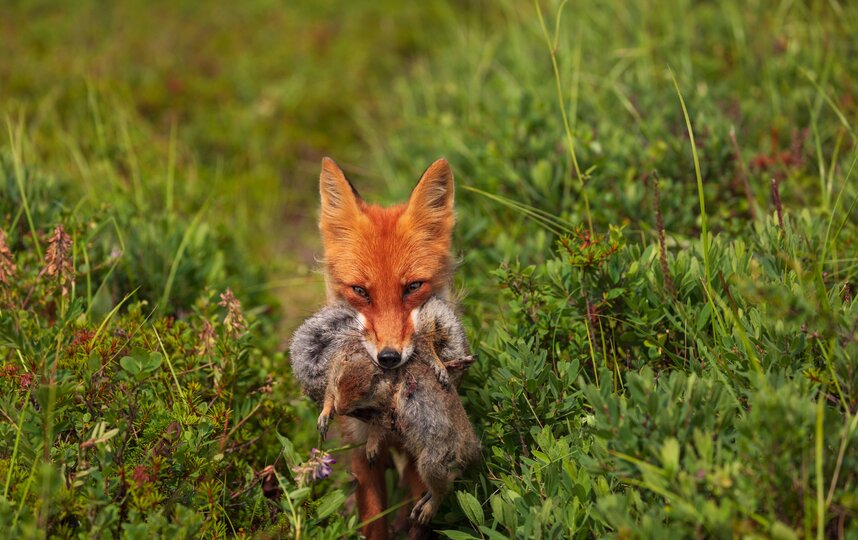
<point x="492" y="534"/>
<point x="471" y="506"/>
<point x="94" y="361"/>
<point x="298" y="495"/>
<point x="503" y="511"/>
<point x="288" y="449"/>
<point x="330" y="503"/>
<point x="130" y="364"/>
<point x="703" y="317"/>
<point x="614" y="293"/>
<point x="458" y="535"/>
<point x="782" y="531"/>
<point x="151" y="362"/>
<point x="670" y="455"/>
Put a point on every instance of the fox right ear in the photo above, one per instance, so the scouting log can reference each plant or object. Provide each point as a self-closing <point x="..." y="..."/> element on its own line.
<point x="339" y="196"/>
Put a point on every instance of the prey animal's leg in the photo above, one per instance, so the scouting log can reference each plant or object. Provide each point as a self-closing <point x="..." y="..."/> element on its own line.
<point x="326" y="414"/>
<point x="438" y="481"/>
<point x="374" y="441"/>
<point x="330" y="398"/>
<point x="440" y="368"/>
<point x="336" y="366"/>
<point x="460" y="363"/>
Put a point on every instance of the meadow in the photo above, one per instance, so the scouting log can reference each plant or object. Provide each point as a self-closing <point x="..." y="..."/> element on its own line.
<point x="657" y="247"/>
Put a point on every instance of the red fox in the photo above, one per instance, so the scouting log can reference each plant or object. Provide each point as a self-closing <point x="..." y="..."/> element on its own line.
<point x="385" y="263"/>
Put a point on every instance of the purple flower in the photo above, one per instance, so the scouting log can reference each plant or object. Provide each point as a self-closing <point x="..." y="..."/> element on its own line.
<point x="317" y="468"/>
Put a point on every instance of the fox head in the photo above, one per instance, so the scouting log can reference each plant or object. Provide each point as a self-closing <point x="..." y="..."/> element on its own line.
<point x="386" y="262"/>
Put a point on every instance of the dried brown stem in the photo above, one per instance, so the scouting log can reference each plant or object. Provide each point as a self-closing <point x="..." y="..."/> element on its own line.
<point x="659" y="224"/>
<point x="776" y="197"/>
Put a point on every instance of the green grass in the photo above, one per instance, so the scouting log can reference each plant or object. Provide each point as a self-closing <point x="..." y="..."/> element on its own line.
<point x="700" y="387"/>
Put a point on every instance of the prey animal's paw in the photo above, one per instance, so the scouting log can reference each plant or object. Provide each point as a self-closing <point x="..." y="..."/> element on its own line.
<point x="425" y="509"/>
<point x="460" y="363"/>
<point x="373" y="448"/>
<point x="322" y="424"/>
<point x="415" y="512"/>
<point x="372" y="452"/>
<point x="442" y="375"/>
<point x="427" y="513"/>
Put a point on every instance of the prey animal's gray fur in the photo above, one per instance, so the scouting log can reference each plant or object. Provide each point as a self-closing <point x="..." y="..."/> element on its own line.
<point x="316" y="341"/>
<point x="412" y="405"/>
<point x="336" y="327"/>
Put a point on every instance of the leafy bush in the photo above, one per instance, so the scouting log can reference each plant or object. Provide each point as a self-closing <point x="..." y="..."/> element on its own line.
<point x="611" y="403"/>
<point x="139" y="398"/>
<point x="689" y="372"/>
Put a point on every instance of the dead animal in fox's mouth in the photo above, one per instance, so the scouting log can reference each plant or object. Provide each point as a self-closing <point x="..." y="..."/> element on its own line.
<point x="337" y="328"/>
<point x="413" y="405"/>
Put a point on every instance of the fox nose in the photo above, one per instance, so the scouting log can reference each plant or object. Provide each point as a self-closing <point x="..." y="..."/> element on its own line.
<point x="388" y="357"/>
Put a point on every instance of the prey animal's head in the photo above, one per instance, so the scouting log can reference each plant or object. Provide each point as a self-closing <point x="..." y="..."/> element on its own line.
<point x="386" y="262"/>
<point x="357" y="385"/>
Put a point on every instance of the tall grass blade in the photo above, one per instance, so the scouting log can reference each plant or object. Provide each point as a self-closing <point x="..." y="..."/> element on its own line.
<point x="16" y="142"/>
<point x="550" y="222"/>
<point x="169" y="363"/>
<point x="704" y="227"/>
<point x="570" y="139"/>
<point x="177" y="258"/>
<point x="111" y="314"/>
<point x="14" y="458"/>
<point x="820" y="493"/>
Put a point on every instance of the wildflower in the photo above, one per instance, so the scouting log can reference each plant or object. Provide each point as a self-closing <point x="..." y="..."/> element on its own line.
<point x="140" y="475"/>
<point x="234" y="320"/>
<point x="25" y="381"/>
<point x="206" y="338"/>
<point x="317" y="468"/>
<point x="58" y="262"/>
<point x="9" y="371"/>
<point x="7" y="264"/>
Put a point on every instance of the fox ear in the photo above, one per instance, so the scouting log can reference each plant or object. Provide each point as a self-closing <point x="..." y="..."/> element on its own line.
<point x="431" y="200"/>
<point x="339" y="197"/>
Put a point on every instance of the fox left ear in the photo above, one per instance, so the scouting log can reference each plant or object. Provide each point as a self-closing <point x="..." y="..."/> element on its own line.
<point x="336" y="191"/>
<point x="340" y="201"/>
<point x="432" y="197"/>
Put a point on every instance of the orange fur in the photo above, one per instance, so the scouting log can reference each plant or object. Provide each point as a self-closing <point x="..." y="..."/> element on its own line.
<point x="382" y="251"/>
<point x="371" y="494"/>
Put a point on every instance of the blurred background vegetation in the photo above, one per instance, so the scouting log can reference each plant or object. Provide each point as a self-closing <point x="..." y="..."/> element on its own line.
<point x="655" y="367"/>
<point x="223" y="107"/>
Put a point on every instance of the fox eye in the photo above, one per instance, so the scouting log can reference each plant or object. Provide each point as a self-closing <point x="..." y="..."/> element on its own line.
<point x="360" y="291"/>
<point x="413" y="287"/>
